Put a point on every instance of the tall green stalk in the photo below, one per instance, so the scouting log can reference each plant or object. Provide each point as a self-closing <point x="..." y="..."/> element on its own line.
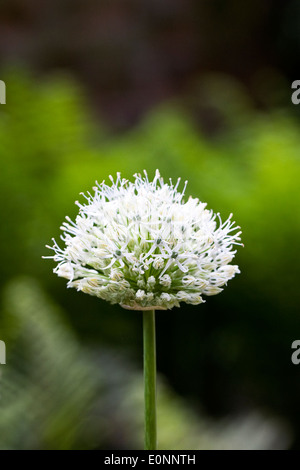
<point x="150" y="379"/>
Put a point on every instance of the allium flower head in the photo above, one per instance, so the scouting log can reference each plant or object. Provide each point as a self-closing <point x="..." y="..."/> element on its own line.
<point x="138" y="244"/>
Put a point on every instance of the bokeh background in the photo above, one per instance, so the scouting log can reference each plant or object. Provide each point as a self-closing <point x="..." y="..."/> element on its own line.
<point x="199" y="89"/>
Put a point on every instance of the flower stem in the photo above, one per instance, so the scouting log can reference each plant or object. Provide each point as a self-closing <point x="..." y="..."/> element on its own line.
<point x="150" y="379"/>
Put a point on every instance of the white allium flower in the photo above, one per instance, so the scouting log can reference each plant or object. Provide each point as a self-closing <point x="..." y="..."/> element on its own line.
<point x="138" y="244"/>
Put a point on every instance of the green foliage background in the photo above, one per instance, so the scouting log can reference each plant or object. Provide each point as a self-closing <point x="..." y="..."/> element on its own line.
<point x="226" y="358"/>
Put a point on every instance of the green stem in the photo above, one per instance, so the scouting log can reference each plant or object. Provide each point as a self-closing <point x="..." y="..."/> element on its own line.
<point x="150" y="379"/>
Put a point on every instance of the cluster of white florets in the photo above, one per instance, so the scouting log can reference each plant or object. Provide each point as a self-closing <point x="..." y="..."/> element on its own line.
<point x="138" y="244"/>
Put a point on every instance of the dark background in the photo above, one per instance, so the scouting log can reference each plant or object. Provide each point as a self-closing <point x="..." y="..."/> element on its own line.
<point x="131" y="55"/>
